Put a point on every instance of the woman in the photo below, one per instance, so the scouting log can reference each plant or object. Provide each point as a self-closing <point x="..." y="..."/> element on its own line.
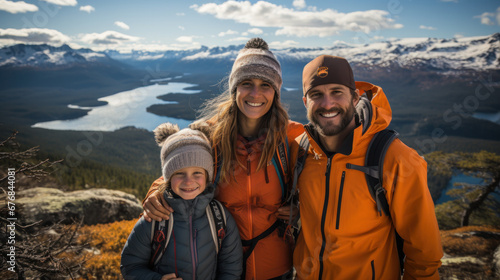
<point x="247" y="123"/>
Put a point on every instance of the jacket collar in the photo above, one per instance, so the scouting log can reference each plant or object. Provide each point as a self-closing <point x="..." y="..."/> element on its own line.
<point x="194" y="207"/>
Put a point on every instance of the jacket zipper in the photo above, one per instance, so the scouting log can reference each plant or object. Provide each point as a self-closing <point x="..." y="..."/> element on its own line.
<point x="341" y="190"/>
<point x="373" y="269"/>
<point x="323" y="216"/>
<point x="193" y="249"/>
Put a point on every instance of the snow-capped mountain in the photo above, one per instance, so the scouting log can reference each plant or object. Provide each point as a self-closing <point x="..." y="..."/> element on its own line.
<point x="475" y="53"/>
<point x="442" y="55"/>
<point x="47" y="56"/>
<point x="470" y="53"/>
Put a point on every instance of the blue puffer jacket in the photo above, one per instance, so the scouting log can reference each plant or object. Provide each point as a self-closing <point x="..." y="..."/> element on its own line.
<point x="191" y="250"/>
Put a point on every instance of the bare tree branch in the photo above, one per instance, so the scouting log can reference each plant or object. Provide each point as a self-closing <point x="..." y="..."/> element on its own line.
<point x="48" y="252"/>
<point x="22" y="159"/>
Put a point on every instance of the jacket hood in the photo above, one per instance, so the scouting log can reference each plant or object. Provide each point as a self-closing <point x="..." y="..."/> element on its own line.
<point x="373" y="110"/>
<point x="194" y="207"/>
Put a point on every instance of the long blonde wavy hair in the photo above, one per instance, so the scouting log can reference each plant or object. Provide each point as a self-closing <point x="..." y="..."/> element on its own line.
<point x="221" y="114"/>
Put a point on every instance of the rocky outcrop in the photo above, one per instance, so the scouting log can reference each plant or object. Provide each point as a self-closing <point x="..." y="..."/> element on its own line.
<point x="47" y="206"/>
<point x="496" y="261"/>
<point x="471" y="253"/>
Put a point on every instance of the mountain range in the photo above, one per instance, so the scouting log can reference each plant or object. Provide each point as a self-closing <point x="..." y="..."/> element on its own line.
<point x="443" y="55"/>
<point x="46" y="56"/>
<point x="474" y="53"/>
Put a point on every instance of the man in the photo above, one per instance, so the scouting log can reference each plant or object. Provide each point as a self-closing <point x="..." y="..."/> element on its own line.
<point x="343" y="235"/>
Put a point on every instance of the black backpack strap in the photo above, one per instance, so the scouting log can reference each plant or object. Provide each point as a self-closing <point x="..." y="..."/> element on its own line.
<point x="253" y="242"/>
<point x="280" y="162"/>
<point x="373" y="169"/>
<point x="160" y="236"/>
<point x="299" y="165"/>
<point x="217" y="220"/>
<point x="375" y="156"/>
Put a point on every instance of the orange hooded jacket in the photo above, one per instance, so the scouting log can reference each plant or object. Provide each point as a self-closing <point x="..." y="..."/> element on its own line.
<point x="343" y="236"/>
<point x="253" y="203"/>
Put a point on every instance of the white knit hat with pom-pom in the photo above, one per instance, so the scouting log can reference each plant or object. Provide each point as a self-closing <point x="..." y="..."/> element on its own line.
<point x="183" y="148"/>
<point x="255" y="60"/>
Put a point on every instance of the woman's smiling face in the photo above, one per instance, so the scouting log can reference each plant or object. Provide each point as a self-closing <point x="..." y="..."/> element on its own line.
<point x="254" y="98"/>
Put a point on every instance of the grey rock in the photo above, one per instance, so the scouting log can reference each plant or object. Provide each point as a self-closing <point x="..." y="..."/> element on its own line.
<point x="48" y="206"/>
<point x="496" y="261"/>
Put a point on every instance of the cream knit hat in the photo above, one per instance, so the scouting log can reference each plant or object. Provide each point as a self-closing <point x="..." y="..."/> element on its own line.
<point x="255" y="60"/>
<point x="184" y="148"/>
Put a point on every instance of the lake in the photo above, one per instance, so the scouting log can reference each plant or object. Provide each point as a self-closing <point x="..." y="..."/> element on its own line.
<point x="492" y="117"/>
<point x="458" y="178"/>
<point x="126" y="108"/>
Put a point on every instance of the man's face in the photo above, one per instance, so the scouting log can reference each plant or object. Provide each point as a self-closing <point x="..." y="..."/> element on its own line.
<point x="330" y="108"/>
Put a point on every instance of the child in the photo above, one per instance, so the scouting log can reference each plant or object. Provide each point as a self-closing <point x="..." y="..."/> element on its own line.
<point x="187" y="166"/>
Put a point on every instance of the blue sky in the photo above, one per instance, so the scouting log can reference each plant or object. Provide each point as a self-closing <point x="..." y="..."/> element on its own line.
<point x="170" y="24"/>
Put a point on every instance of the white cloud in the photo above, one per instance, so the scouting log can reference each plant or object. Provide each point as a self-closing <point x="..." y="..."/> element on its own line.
<point x="229" y="32"/>
<point x="181" y="27"/>
<point x="454" y="1"/>
<point x="486" y="18"/>
<point x="87" y="9"/>
<point x="11" y="36"/>
<point x="185" y="39"/>
<point x="62" y="2"/>
<point x="427" y="27"/>
<point x="283" y="45"/>
<point x="490" y="18"/>
<point x="180" y="14"/>
<point x="239" y="39"/>
<point x="299" y="23"/>
<point x="255" y="31"/>
<point x="122" y="25"/>
<point x="17" y="7"/>
<point x="108" y="38"/>
<point x="299" y="4"/>
<point x="129" y="47"/>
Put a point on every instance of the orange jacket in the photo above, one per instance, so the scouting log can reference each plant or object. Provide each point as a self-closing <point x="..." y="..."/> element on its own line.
<point x="343" y="236"/>
<point x="253" y="204"/>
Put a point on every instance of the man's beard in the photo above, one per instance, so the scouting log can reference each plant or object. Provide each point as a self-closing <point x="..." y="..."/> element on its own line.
<point x="330" y="129"/>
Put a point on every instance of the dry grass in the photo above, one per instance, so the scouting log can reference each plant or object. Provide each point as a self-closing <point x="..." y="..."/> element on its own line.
<point x="469" y="253"/>
<point x="106" y="242"/>
<point x="478" y="241"/>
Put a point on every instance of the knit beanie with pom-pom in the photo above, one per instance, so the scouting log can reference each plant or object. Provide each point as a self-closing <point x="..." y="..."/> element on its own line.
<point x="255" y="60"/>
<point x="183" y="148"/>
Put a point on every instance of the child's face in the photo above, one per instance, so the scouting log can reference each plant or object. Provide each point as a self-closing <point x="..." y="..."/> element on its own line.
<point x="189" y="182"/>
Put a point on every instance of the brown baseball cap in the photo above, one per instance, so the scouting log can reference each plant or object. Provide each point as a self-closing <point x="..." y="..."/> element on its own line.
<point x="327" y="69"/>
